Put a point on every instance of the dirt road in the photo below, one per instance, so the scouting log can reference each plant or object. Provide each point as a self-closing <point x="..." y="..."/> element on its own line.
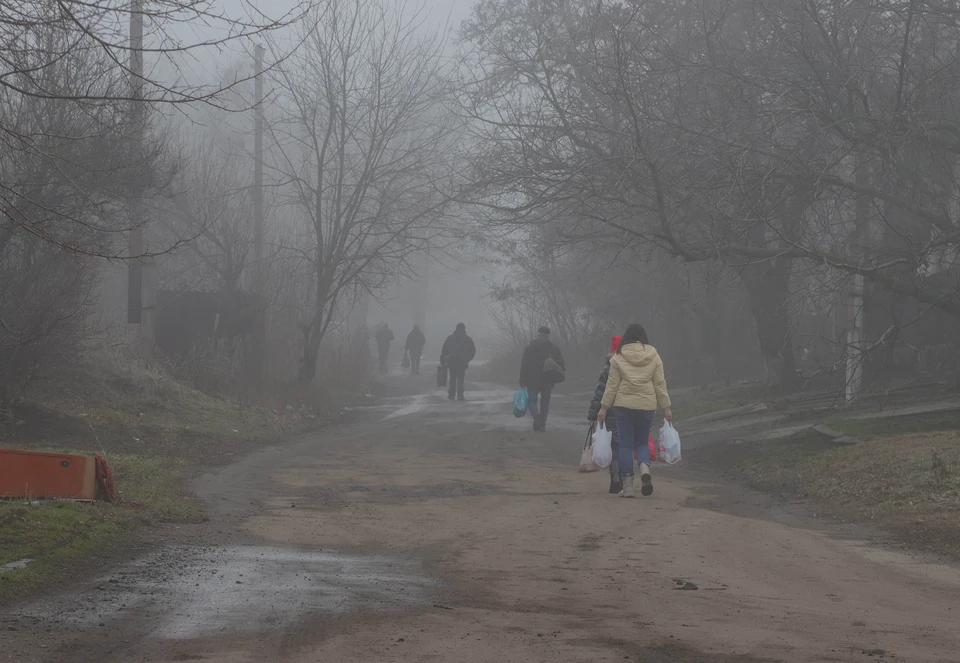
<point x="437" y="531"/>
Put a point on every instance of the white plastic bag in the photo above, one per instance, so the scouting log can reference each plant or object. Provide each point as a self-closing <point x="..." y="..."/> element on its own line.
<point x="602" y="446"/>
<point x="668" y="446"/>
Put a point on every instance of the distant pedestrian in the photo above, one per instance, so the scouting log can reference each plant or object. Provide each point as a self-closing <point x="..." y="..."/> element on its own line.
<point x="457" y="353"/>
<point x="541" y="368"/>
<point x="415" y="342"/>
<point x="635" y="389"/>
<point x="384" y="338"/>
<point x="615" y="485"/>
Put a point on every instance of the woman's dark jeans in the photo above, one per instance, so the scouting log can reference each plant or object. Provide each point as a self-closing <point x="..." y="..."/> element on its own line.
<point x="633" y="427"/>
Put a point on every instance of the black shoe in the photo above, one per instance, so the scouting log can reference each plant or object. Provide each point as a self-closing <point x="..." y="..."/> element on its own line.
<point x="450" y="398"/>
<point x="615" y="487"/>
<point x="536" y="426"/>
<point x="461" y="398"/>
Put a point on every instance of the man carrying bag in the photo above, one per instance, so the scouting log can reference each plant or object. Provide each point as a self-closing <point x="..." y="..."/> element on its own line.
<point x="541" y="368"/>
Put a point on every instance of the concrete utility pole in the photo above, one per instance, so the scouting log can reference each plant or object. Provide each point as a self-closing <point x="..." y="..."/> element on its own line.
<point x="258" y="353"/>
<point x="142" y="278"/>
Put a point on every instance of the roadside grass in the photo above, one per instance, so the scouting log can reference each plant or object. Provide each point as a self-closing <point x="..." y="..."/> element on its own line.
<point x="53" y="534"/>
<point x="137" y="411"/>
<point x="868" y="429"/>
<point x="154" y="431"/>
<point x="895" y="476"/>
<point x="688" y="404"/>
<point x="903" y="476"/>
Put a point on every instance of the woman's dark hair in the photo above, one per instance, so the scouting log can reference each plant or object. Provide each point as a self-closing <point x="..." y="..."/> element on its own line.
<point x="634" y="334"/>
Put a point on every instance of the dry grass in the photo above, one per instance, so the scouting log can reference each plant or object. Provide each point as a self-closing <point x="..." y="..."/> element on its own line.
<point x="892" y="477"/>
<point x="94" y="409"/>
<point x="907" y="485"/>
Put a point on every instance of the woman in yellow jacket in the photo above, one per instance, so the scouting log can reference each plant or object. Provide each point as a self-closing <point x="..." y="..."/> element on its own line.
<point x="635" y="389"/>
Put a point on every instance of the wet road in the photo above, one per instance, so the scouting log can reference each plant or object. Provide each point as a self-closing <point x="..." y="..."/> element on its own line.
<point x="436" y="531"/>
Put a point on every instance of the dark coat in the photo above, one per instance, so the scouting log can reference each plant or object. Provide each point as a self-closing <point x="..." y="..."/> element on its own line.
<point x="597" y="396"/>
<point x="384" y="337"/>
<point x="458" y="350"/>
<point x="415" y="341"/>
<point x="531" y="366"/>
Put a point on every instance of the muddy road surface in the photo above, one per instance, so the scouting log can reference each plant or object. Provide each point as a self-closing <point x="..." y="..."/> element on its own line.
<point x="436" y="531"/>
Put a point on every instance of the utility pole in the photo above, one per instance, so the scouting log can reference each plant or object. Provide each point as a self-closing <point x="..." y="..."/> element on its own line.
<point x="258" y="354"/>
<point x="141" y="280"/>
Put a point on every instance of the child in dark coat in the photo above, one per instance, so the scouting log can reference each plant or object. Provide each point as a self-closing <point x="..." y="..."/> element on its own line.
<point x="615" y="485"/>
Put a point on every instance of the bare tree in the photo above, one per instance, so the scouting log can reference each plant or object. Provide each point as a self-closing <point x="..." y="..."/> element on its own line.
<point x="770" y="137"/>
<point x="39" y="39"/>
<point x="56" y="193"/>
<point x="77" y="146"/>
<point x="210" y="203"/>
<point x="361" y="142"/>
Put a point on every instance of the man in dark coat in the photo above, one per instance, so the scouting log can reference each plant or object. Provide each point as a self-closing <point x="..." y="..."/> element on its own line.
<point x="539" y="374"/>
<point x="457" y="353"/>
<point x="384" y="338"/>
<point x="415" y="342"/>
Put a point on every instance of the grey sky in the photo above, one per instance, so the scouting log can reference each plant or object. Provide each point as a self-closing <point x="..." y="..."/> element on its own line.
<point x="205" y="66"/>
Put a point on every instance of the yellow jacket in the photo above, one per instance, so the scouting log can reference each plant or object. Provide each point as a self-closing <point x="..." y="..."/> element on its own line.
<point x="636" y="379"/>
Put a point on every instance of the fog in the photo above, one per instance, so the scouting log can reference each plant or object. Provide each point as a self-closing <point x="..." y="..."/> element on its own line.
<point x="758" y="232"/>
<point x="707" y="245"/>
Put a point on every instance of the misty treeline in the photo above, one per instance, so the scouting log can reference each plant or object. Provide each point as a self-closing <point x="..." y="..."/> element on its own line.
<point x="734" y="174"/>
<point x="357" y="145"/>
<point x="731" y="173"/>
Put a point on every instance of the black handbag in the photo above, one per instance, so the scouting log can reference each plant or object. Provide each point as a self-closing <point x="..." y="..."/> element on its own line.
<point x="441" y="376"/>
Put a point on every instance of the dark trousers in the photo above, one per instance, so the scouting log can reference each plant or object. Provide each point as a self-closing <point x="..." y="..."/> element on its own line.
<point x="457" y="376"/>
<point x="415" y="361"/>
<point x="383" y="359"/>
<point x="615" y="464"/>
<point x="540" y="404"/>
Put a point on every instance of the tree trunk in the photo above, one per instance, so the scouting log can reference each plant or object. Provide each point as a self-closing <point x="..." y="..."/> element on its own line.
<point x="768" y="287"/>
<point x="308" y="361"/>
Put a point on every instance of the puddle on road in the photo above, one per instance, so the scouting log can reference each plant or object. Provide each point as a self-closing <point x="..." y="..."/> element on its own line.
<point x="192" y="592"/>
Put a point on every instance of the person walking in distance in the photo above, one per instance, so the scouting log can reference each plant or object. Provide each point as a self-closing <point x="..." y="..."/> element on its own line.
<point x="615" y="485"/>
<point x="541" y="368"/>
<point x="415" y="342"/>
<point x="457" y="353"/>
<point x="635" y="388"/>
<point x="384" y="338"/>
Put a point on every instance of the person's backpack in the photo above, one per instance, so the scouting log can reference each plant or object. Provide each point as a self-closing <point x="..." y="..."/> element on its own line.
<point x="553" y="371"/>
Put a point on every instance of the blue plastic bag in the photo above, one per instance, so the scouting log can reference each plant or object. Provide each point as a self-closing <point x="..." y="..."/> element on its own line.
<point x="520" y="401"/>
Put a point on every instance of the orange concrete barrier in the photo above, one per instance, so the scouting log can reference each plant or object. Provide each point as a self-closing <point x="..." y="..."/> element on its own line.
<point x="35" y="474"/>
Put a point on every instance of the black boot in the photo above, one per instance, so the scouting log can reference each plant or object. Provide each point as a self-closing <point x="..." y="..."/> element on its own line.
<point x="615" y="485"/>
